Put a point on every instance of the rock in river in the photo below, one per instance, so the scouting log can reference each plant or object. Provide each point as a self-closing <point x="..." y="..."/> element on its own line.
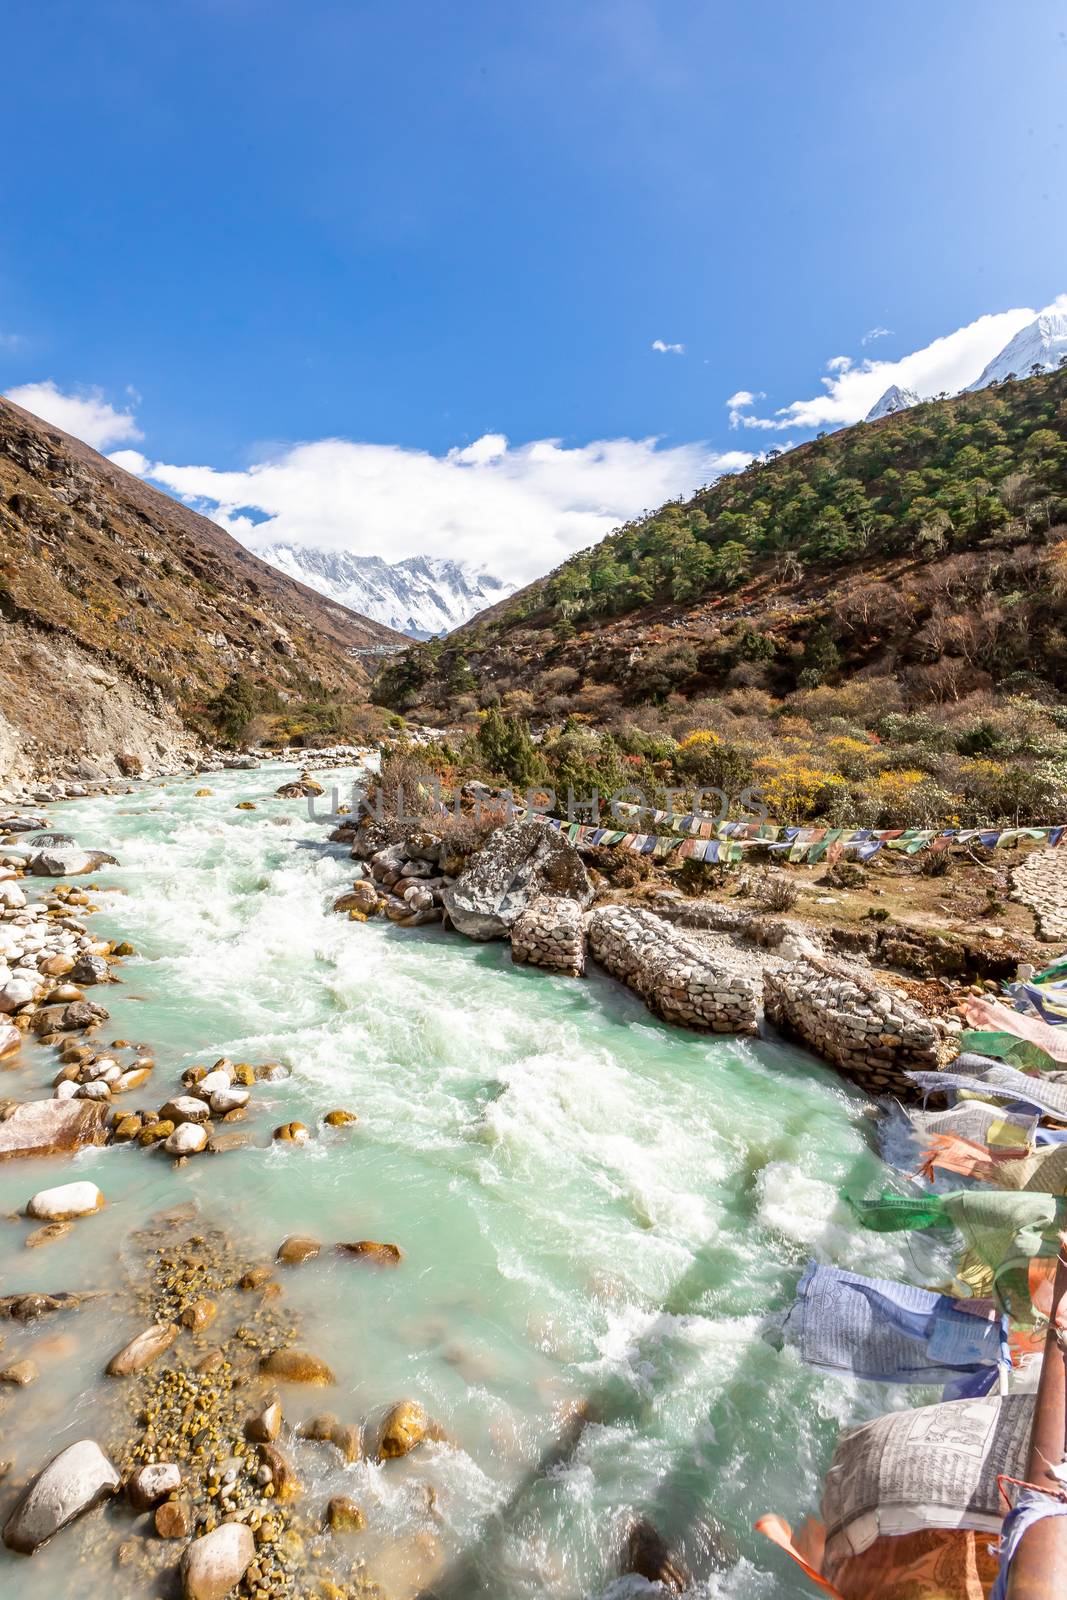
<point x="143" y="1350"/>
<point x="385" y="1255"/>
<point x="52" y="1127"/>
<point x="215" y="1564"/>
<point x="71" y="1484"/>
<point x="518" y="862"/>
<point x="90" y="969"/>
<point x="186" y="1140"/>
<point x="149" y="1485"/>
<point x="344" y="1516"/>
<point x="67" y="1201"/>
<point x="296" y="1366"/>
<point x="403" y="1428"/>
<point x="296" y="1249"/>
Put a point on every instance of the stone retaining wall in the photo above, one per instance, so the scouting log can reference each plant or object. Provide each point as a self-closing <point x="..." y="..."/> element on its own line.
<point x="550" y="933"/>
<point x="870" y="1035"/>
<point x="674" y="976"/>
<point x="1040" y="882"/>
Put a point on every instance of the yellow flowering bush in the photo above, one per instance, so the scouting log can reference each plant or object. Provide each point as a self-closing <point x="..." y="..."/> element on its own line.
<point x="795" y="789"/>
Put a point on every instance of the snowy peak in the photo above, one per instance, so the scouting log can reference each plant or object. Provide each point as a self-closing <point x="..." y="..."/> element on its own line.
<point x="895" y="399"/>
<point x="420" y="596"/>
<point x="1042" y="344"/>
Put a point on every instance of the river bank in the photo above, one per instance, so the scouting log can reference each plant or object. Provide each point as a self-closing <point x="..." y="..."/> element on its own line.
<point x="594" y="1209"/>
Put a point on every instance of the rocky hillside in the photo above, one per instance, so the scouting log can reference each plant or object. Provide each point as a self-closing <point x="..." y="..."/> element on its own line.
<point x="129" y="625"/>
<point x="802" y="556"/>
<point x="871" y="626"/>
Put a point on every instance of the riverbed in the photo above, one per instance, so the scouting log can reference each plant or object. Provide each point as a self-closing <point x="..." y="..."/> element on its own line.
<point x="598" y="1215"/>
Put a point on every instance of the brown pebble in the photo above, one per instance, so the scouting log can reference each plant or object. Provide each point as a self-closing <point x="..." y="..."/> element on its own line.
<point x="174" y="1519"/>
<point x="200" y="1315"/>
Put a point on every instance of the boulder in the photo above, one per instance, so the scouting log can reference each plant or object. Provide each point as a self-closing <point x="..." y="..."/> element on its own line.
<point x="90" y="969"/>
<point x="292" y="1133"/>
<point x="517" y="863"/>
<point x="52" y="1127"/>
<point x="385" y="1255"/>
<point x="143" y="1350"/>
<point x="403" y="1428"/>
<point x="296" y="1249"/>
<point x="296" y="1366"/>
<point x="187" y="1139"/>
<point x="185" y="1108"/>
<point x="266" y="1425"/>
<point x="67" y="1201"/>
<point x="10" y="1040"/>
<point x="220" y="1143"/>
<point x="344" y="1516"/>
<point x="20" y="1374"/>
<point x="77" y="1479"/>
<point x="213" y="1566"/>
<point x="81" y="1014"/>
<point x="149" y="1485"/>
<point x="60" y="861"/>
<point x="18" y="992"/>
<point x="223" y="1101"/>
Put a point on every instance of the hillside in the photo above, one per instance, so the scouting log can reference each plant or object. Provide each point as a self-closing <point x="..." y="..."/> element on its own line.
<point x="130" y="624"/>
<point x="899" y="587"/>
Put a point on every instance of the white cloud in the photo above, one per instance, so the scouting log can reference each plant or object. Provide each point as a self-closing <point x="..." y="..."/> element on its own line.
<point x="946" y="365"/>
<point x="876" y="333"/>
<point x="87" y="416"/>
<point x="745" y="397"/>
<point x="668" y="349"/>
<point x="516" y="509"/>
<point x="839" y="363"/>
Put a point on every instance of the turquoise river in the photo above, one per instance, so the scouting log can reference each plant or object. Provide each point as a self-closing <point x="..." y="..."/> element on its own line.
<point x="592" y="1207"/>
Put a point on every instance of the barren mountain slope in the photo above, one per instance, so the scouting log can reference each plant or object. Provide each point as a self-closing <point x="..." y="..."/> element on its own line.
<point x="125" y="616"/>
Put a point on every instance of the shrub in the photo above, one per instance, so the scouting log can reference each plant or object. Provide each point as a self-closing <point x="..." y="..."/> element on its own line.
<point x="776" y="892"/>
<point x="710" y="761"/>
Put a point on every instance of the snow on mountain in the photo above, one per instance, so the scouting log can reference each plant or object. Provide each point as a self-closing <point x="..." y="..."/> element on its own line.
<point x="1042" y="343"/>
<point x="895" y="399"/>
<point x="421" y="596"/>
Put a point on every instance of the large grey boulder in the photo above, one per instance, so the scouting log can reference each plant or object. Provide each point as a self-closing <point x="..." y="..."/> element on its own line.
<point x="67" y="861"/>
<point x="71" y="1484"/>
<point x="517" y="863"/>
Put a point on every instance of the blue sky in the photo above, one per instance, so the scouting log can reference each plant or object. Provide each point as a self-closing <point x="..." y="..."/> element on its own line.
<point x="253" y="224"/>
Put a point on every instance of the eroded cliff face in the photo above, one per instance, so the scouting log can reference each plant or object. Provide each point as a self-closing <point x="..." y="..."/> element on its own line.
<point x="62" y="707"/>
<point x="124" y="615"/>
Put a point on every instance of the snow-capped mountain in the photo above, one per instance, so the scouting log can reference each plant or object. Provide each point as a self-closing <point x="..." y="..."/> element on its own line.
<point x="1042" y="343"/>
<point x="422" y="596"/>
<point x="895" y="399"/>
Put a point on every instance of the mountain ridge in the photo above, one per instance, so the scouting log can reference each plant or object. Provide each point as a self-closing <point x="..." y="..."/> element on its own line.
<point x="748" y="574"/>
<point x="419" y="596"/>
<point x="106" y="583"/>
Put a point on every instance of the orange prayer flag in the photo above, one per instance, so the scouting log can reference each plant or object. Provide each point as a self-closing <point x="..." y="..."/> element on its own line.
<point x="806" y="1550"/>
